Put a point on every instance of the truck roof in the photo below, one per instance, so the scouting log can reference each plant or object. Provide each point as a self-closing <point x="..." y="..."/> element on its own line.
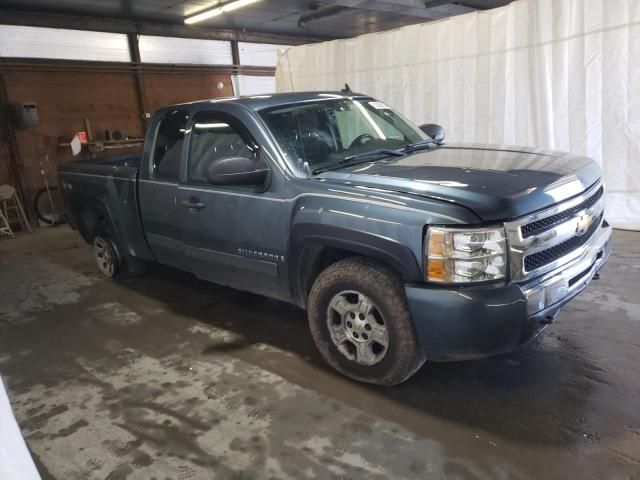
<point x="258" y="102"/>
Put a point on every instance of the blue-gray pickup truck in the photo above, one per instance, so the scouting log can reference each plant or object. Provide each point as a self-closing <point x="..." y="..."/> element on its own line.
<point x="400" y="247"/>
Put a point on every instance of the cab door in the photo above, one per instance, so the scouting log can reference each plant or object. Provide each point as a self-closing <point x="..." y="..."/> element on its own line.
<point x="158" y="187"/>
<point x="234" y="235"/>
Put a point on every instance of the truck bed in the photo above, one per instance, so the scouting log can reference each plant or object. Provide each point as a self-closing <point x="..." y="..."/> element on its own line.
<point x="110" y="186"/>
<point x="126" y="162"/>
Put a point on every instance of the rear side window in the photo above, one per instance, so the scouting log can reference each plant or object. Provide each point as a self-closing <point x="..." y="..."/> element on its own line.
<point x="215" y="136"/>
<point x="167" y="149"/>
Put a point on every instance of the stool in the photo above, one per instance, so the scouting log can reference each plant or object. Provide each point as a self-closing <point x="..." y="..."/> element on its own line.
<point x="5" y="229"/>
<point x="11" y="205"/>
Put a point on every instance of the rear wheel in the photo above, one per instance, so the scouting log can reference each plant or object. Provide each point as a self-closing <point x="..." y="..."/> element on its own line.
<point x="109" y="261"/>
<point x="106" y="256"/>
<point x="360" y="322"/>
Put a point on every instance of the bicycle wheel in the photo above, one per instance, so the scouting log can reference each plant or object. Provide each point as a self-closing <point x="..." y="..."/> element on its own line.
<point x="49" y="207"/>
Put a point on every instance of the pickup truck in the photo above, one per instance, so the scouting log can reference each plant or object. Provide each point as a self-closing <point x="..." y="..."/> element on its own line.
<point x="400" y="247"/>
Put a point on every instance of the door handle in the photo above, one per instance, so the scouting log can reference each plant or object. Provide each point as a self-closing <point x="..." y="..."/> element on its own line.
<point x="193" y="203"/>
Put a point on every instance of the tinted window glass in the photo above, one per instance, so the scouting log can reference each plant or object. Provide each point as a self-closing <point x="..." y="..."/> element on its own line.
<point x="168" y="145"/>
<point x="213" y="137"/>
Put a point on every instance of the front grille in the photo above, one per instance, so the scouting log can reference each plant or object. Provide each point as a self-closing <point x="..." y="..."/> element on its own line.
<point x="544" y="257"/>
<point x="539" y="226"/>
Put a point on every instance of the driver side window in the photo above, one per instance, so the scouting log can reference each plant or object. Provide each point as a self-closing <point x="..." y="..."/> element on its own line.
<point x="215" y="136"/>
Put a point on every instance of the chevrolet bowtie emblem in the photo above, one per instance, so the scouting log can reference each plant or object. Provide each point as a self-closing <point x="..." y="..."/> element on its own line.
<point x="584" y="222"/>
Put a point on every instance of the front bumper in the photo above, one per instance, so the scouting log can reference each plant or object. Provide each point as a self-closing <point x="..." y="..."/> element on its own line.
<point x="479" y="321"/>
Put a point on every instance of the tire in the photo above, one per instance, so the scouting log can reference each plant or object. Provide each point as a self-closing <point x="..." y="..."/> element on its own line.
<point x="36" y="207"/>
<point x="111" y="263"/>
<point x="354" y="344"/>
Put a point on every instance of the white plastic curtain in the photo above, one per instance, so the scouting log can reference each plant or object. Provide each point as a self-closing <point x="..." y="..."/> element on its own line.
<point x="560" y="74"/>
<point x="15" y="460"/>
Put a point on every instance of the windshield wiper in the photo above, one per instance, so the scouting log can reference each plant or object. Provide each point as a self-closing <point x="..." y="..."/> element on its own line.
<point x="412" y="147"/>
<point x="359" y="156"/>
<point x="371" y="153"/>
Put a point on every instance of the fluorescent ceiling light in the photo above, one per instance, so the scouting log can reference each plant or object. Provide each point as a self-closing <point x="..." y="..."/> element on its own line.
<point x="214" y="12"/>
<point x="204" y="126"/>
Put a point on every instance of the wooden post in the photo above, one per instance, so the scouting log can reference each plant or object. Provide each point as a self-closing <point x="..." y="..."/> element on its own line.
<point x="235" y="55"/>
<point x="8" y="134"/>
<point x="134" y="52"/>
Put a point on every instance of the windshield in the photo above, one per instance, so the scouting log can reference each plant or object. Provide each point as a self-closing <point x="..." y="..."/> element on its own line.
<point x="325" y="134"/>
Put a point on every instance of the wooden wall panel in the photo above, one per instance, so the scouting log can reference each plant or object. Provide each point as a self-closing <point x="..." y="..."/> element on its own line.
<point x="108" y="99"/>
<point x="64" y="99"/>
<point x="4" y="164"/>
<point x="168" y="88"/>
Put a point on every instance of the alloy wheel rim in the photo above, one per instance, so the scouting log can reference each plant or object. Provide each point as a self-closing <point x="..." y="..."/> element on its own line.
<point x="357" y="328"/>
<point x="103" y="256"/>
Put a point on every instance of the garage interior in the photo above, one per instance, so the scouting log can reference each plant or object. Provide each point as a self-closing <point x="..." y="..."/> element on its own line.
<point x="169" y="377"/>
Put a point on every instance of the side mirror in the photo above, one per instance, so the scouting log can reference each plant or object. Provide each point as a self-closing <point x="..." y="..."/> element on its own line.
<point x="435" y="132"/>
<point x="236" y="171"/>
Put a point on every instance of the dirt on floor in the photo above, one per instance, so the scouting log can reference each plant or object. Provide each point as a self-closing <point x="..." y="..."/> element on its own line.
<point x="169" y="377"/>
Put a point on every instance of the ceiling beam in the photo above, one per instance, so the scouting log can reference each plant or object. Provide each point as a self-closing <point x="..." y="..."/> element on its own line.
<point x="412" y="8"/>
<point x="57" y="65"/>
<point x="116" y="25"/>
<point x="320" y="14"/>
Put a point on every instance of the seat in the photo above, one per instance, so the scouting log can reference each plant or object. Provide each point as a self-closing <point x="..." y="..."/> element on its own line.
<point x="208" y="147"/>
<point x="12" y="211"/>
<point x="169" y="161"/>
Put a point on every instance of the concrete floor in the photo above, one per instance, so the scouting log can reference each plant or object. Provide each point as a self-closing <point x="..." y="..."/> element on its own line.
<point x="170" y="377"/>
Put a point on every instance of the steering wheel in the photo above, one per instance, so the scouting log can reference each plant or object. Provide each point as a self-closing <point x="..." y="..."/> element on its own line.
<point x="361" y="140"/>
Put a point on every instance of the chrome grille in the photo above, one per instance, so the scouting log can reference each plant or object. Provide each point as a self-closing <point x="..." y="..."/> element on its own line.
<point x="544" y="224"/>
<point x="544" y="257"/>
<point x="547" y="240"/>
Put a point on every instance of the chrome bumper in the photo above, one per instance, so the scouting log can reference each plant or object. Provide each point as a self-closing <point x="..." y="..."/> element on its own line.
<point x="546" y="294"/>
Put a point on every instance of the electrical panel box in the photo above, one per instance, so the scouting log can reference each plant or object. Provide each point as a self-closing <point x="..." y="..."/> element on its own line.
<point x="25" y="114"/>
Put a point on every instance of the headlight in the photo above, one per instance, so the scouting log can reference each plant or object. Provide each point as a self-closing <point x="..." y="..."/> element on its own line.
<point x="456" y="255"/>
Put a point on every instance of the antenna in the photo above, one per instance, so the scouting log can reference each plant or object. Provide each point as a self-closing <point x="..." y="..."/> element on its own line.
<point x="286" y="52"/>
<point x="297" y="114"/>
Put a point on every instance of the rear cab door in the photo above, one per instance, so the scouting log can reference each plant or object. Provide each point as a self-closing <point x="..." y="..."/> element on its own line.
<point x="234" y="235"/>
<point x="158" y="185"/>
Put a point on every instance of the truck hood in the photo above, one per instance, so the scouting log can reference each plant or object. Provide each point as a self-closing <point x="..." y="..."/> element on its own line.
<point x="496" y="182"/>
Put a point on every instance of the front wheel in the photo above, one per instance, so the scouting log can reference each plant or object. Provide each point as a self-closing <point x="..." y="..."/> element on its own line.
<point x="360" y="322"/>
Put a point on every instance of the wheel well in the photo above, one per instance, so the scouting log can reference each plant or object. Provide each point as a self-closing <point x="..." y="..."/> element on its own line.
<point x="315" y="259"/>
<point x="92" y="221"/>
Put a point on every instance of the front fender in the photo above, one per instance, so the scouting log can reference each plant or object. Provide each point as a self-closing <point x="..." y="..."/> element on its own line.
<point x="387" y="250"/>
<point x="323" y="222"/>
<point x="372" y="222"/>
